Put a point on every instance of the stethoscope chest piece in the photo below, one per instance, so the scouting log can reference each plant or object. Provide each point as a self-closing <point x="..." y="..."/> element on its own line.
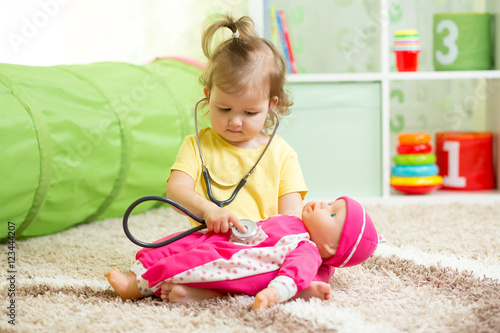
<point x="251" y="230"/>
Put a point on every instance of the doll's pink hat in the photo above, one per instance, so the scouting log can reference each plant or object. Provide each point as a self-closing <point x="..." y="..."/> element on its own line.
<point x="359" y="238"/>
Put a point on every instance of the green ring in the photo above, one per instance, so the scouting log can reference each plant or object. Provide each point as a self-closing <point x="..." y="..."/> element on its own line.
<point x="414" y="159"/>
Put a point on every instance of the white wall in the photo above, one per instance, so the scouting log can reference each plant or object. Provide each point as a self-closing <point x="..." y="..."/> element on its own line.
<point x="51" y="32"/>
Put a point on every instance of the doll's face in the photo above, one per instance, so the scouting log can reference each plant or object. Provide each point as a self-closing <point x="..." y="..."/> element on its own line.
<point x="324" y="221"/>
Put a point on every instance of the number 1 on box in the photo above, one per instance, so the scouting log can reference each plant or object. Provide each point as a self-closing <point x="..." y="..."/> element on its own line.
<point x="453" y="179"/>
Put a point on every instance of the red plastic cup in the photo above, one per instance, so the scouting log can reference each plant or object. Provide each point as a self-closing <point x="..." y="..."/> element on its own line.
<point x="407" y="61"/>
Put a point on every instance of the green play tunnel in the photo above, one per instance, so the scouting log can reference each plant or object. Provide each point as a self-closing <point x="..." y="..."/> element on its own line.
<point x="82" y="142"/>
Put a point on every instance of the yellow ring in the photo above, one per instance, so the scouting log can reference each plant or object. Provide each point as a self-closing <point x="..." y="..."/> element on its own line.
<point x="417" y="181"/>
<point x="406" y="32"/>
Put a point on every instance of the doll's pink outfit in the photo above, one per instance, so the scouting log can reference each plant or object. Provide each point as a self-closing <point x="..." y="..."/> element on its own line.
<point x="281" y="255"/>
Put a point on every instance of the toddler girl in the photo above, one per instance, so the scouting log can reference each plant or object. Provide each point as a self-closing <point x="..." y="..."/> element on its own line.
<point x="244" y="79"/>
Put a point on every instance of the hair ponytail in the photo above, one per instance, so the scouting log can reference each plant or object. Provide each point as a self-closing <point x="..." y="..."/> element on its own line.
<point x="243" y="61"/>
<point x="244" y="27"/>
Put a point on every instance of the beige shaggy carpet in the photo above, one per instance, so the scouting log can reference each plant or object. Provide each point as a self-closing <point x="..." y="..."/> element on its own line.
<point x="438" y="271"/>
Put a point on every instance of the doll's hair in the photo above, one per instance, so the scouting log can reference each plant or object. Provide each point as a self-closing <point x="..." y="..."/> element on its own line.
<point x="244" y="61"/>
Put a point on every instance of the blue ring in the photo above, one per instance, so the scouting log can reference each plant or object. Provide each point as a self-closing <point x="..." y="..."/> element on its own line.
<point x="415" y="170"/>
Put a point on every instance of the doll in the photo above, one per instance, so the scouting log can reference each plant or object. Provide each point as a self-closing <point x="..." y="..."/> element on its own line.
<point x="279" y="263"/>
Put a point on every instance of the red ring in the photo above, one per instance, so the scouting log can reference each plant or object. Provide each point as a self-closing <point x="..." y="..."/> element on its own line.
<point x="416" y="189"/>
<point x="424" y="148"/>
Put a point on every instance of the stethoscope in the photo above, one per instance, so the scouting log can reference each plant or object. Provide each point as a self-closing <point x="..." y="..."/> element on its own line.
<point x="250" y="225"/>
<point x="206" y="174"/>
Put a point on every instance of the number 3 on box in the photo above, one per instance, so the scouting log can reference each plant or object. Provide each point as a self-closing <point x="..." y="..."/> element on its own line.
<point x="449" y="41"/>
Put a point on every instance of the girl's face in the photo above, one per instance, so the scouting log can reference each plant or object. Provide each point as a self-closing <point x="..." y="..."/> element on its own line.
<point x="239" y="119"/>
<point x="325" y="222"/>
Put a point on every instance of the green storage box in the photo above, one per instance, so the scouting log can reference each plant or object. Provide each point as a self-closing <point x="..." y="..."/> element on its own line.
<point x="462" y="42"/>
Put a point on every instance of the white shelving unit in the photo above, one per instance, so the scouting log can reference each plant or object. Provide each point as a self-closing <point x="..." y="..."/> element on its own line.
<point x="385" y="77"/>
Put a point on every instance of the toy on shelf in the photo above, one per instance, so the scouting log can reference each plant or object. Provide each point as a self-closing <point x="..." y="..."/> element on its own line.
<point x="406" y="47"/>
<point x="463" y="41"/>
<point x="415" y="171"/>
<point x="465" y="160"/>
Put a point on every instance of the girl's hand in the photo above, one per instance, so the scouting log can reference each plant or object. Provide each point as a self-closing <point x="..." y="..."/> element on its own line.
<point x="221" y="219"/>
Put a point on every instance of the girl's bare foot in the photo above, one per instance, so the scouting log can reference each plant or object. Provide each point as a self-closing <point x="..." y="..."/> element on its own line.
<point x="316" y="289"/>
<point x="178" y="293"/>
<point x="125" y="286"/>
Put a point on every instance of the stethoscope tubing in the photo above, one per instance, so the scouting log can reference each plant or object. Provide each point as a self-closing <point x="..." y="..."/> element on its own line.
<point x="167" y="241"/>
<point x="206" y="174"/>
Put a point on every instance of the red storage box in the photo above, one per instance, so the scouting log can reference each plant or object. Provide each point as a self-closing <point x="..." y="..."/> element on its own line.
<point x="465" y="160"/>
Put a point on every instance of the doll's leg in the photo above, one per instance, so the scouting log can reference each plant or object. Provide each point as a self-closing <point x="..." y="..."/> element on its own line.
<point x="178" y="293"/>
<point x="125" y="285"/>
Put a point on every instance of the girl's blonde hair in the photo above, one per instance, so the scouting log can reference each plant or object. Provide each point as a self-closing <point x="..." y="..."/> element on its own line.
<point x="244" y="61"/>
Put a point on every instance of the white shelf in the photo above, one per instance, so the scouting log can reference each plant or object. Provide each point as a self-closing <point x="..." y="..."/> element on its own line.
<point x="440" y="196"/>
<point x="335" y="77"/>
<point x="393" y="76"/>
<point x="445" y="75"/>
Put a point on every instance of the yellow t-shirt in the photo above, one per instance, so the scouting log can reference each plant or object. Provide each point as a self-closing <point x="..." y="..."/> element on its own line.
<point x="278" y="173"/>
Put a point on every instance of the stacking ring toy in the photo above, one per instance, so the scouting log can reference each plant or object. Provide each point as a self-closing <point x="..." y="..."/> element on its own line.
<point x="416" y="189"/>
<point x="416" y="181"/>
<point x="415" y="170"/>
<point x="414" y="138"/>
<point x="424" y="148"/>
<point x="415" y="159"/>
